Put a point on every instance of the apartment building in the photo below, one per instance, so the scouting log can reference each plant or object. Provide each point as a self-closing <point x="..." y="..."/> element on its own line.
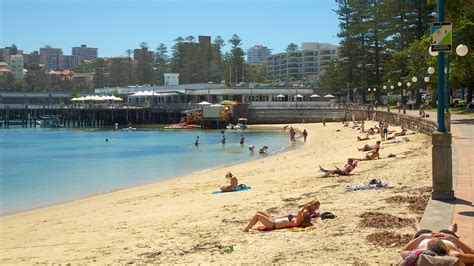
<point x="60" y="62"/>
<point x="305" y="63"/>
<point x="257" y="54"/>
<point x="86" y="53"/>
<point x="17" y="66"/>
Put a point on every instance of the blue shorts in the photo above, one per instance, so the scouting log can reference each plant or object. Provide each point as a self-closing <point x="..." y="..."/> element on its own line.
<point x="385" y="130"/>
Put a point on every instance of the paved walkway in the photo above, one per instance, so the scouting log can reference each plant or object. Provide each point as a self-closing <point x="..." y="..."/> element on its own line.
<point x="462" y="130"/>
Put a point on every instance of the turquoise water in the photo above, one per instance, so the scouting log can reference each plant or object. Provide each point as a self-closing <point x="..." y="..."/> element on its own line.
<point x="39" y="166"/>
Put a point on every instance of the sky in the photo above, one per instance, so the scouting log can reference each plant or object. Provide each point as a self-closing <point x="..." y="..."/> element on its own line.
<point x="114" y="26"/>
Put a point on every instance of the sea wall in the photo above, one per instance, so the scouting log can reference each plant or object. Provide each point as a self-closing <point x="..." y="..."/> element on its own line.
<point x="282" y="116"/>
<point x="418" y="124"/>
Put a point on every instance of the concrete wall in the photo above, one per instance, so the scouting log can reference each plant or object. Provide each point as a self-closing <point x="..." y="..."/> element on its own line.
<point x="282" y="116"/>
<point x="418" y="124"/>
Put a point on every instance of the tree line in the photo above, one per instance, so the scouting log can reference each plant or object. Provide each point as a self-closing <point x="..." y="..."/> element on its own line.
<point x="384" y="42"/>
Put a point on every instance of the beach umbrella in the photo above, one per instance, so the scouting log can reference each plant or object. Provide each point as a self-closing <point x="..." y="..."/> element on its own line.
<point x="280" y="96"/>
<point x="204" y="103"/>
<point x="329" y="96"/>
<point x="228" y="102"/>
<point x="298" y="96"/>
<point x="115" y="98"/>
<point x="75" y="99"/>
<point x="314" y="96"/>
<point x="89" y="98"/>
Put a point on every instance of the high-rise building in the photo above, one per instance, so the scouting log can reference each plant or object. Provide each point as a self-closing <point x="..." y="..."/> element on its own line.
<point x="138" y="53"/>
<point x="257" y="54"/>
<point x="8" y="51"/>
<point x="52" y="61"/>
<point x="70" y="61"/>
<point x="17" y="65"/>
<point x="204" y="39"/>
<point x="86" y="53"/>
<point x="44" y="54"/>
<point x="47" y="49"/>
<point x="306" y="63"/>
<point x="32" y="58"/>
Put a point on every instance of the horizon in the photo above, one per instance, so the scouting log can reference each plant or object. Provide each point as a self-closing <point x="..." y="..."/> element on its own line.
<point x="105" y="30"/>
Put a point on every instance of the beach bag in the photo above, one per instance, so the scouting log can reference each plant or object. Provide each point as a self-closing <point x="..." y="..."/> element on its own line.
<point x="428" y="260"/>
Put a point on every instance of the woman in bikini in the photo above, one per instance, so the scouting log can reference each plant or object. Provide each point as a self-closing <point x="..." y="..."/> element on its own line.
<point x="445" y="242"/>
<point x="233" y="183"/>
<point x="277" y="222"/>
<point x="351" y="165"/>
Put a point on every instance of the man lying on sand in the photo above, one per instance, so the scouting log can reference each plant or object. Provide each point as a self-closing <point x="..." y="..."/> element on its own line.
<point x="368" y="147"/>
<point x="233" y="183"/>
<point x="302" y="219"/>
<point x="446" y="242"/>
<point x="351" y="165"/>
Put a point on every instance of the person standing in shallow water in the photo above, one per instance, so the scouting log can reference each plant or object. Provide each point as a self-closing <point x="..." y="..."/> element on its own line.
<point x="197" y="141"/>
<point x="242" y="140"/>
<point x="305" y="134"/>
<point x="223" y="139"/>
<point x="292" y="134"/>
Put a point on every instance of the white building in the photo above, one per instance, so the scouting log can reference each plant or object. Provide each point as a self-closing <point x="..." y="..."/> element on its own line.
<point x="306" y="63"/>
<point x="17" y="66"/>
<point x="171" y="79"/>
<point x="257" y="54"/>
<point x="86" y="53"/>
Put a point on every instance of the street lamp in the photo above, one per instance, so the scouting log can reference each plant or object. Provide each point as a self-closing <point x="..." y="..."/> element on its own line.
<point x="461" y="50"/>
<point x="432" y="53"/>
<point x="414" y="79"/>
<point x="431" y="70"/>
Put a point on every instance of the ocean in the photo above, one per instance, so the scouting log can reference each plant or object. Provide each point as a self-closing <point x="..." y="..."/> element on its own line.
<point x="41" y="166"/>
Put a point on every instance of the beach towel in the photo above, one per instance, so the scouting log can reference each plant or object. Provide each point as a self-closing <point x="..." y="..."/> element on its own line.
<point x="264" y="230"/>
<point x="241" y="187"/>
<point x="373" y="184"/>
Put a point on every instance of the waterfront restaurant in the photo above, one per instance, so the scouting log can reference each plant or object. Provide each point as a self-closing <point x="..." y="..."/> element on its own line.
<point x="191" y="94"/>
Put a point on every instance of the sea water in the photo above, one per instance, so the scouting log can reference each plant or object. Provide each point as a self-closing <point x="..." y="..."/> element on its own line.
<point x="40" y="166"/>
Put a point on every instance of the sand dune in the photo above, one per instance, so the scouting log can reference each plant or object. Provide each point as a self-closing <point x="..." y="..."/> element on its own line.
<point x="180" y="221"/>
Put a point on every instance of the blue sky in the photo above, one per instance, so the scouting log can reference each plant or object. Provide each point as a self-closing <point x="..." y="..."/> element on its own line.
<point x="114" y="26"/>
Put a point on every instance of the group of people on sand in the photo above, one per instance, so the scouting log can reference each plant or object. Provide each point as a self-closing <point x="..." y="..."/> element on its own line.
<point x="425" y="242"/>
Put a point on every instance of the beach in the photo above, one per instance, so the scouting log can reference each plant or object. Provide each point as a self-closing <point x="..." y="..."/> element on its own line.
<point x="180" y="221"/>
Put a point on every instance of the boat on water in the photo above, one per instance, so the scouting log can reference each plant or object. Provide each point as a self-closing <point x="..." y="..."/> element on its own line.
<point x="49" y="121"/>
<point x="129" y="128"/>
<point x="180" y="126"/>
<point x="242" y="124"/>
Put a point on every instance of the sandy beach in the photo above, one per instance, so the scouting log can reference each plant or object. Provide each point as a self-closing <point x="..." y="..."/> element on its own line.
<point x="180" y="221"/>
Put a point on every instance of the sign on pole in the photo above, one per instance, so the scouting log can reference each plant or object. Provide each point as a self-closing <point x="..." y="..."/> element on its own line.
<point x="441" y="36"/>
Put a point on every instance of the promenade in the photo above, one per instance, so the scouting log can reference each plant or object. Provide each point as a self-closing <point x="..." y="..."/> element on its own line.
<point x="462" y="129"/>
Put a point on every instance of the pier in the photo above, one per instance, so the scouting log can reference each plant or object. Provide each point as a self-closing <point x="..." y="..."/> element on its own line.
<point x="26" y="115"/>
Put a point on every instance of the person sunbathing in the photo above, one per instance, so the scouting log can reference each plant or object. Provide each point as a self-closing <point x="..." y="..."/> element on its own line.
<point x="351" y="165"/>
<point x="233" y="183"/>
<point x="363" y="138"/>
<point x="368" y="147"/>
<point x="445" y="242"/>
<point x="302" y="218"/>
<point x="372" y="154"/>
<point x="398" y="134"/>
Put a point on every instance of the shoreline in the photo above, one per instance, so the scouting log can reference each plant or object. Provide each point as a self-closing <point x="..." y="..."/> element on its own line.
<point x="179" y="220"/>
<point x="285" y="148"/>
